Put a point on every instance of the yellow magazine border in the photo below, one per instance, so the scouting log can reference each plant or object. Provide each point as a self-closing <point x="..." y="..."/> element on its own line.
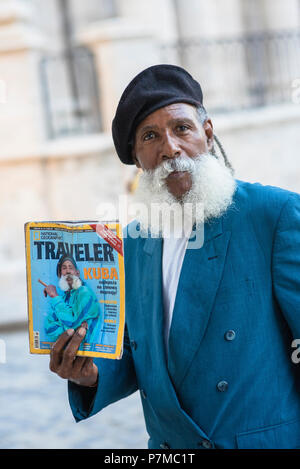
<point x="112" y="226"/>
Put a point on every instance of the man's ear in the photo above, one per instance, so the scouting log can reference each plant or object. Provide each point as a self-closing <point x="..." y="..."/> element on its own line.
<point x="209" y="132"/>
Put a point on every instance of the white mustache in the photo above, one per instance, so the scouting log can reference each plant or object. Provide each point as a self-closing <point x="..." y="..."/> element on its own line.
<point x="63" y="284"/>
<point x="181" y="163"/>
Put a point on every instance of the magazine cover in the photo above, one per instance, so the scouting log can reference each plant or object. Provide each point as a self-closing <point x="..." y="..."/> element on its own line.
<point x="75" y="274"/>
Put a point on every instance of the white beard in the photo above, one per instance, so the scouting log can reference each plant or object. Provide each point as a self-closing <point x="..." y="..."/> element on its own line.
<point x="213" y="186"/>
<point x="64" y="286"/>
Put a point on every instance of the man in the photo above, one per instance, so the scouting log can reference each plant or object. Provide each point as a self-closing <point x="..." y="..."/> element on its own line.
<point x="209" y="330"/>
<point x="77" y="304"/>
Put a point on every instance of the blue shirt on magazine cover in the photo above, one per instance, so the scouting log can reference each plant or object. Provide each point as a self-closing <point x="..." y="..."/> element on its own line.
<point x="70" y="310"/>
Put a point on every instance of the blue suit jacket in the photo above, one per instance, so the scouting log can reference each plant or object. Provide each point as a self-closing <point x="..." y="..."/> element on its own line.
<point x="229" y="381"/>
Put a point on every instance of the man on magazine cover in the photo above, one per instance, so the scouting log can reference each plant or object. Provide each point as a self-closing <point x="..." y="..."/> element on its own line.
<point x="78" y="303"/>
<point x="209" y="330"/>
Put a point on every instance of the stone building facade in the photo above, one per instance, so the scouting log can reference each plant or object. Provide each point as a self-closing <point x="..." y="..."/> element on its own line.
<point x="63" y="66"/>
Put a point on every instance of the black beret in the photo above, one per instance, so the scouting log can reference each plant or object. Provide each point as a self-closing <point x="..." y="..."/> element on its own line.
<point x="64" y="258"/>
<point x="152" y="89"/>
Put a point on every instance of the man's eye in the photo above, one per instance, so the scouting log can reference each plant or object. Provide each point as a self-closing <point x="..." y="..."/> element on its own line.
<point x="182" y="128"/>
<point x="149" y="136"/>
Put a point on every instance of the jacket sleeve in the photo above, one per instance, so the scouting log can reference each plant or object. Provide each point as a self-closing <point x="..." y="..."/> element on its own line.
<point x="286" y="263"/>
<point x="116" y="380"/>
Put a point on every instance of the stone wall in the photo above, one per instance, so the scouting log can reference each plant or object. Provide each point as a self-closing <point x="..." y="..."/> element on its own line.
<point x="263" y="145"/>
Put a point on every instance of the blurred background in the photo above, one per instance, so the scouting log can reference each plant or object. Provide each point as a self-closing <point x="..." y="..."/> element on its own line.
<point x="63" y="67"/>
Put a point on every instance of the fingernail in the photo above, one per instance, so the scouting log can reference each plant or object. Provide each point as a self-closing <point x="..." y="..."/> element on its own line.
<point x="82" y="331"/>
<point x="70" y="332"/>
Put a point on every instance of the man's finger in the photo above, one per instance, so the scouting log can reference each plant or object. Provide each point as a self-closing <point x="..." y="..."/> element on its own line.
<point x="58" y="348"/>
<point x="87" y="367"/>
<point x="70" y="352"/>
<point x="78" y="365"/>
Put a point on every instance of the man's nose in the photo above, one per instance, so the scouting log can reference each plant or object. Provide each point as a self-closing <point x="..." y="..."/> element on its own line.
<point x="169" y="147"/>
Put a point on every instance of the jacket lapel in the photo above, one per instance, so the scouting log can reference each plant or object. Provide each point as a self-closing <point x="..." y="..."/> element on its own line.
<point x="153" y="323"/>
<point x="200" y="276"/>
<point x="152" y="303"/>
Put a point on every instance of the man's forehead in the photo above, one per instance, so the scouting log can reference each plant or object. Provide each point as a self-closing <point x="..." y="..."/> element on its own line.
<point x="169" y="112"/>
<point x="67" y="262"/>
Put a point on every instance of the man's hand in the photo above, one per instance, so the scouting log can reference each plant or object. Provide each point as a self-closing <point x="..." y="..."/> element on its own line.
<point x="51" y="291"/>
<point x="65" y="363"/>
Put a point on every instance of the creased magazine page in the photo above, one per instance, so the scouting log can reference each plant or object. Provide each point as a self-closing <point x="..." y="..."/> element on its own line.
<point x="75" y="275"/>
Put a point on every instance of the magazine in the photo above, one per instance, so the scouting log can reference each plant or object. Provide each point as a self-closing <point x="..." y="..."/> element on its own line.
<point x="75" y="275"/>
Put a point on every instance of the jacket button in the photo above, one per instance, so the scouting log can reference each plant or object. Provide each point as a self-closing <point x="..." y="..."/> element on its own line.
<point x="222" y="386"/>
<point x="164" y="445"/>
<point x="206" y="444"/>
<point x="133" y="344"/>
<point x="143" y="394"/>
<point x="230" y="335"/>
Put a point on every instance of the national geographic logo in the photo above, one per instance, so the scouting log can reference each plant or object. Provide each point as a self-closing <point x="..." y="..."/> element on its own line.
<point x="46" y="235"/>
